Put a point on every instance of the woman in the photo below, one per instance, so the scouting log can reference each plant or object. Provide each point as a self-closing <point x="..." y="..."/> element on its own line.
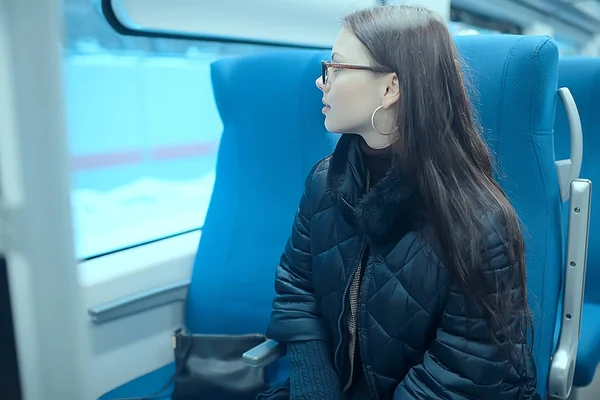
<point x="404" y="276"/>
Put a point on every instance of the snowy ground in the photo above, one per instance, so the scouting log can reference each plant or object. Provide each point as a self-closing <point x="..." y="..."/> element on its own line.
<point x="142" y="211"/>
<point x="117" y="103"/>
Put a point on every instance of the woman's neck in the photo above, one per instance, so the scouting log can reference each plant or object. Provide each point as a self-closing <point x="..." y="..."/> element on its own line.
<point x="379" y="161"/>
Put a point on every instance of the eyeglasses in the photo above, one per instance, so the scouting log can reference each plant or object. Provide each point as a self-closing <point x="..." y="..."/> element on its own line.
<point x="325" y="65"/>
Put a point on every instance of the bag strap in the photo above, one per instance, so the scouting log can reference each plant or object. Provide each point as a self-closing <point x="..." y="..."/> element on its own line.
<point x="159" y="393"/>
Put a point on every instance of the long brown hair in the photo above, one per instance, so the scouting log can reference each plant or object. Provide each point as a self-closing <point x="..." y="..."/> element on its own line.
<point x="441" y="146"/>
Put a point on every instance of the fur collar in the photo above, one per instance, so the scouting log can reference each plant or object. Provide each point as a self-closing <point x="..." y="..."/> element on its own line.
<point x="387" y="211"/>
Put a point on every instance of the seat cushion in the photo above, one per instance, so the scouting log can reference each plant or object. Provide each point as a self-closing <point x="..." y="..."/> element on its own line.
<point x="145" y="385"/>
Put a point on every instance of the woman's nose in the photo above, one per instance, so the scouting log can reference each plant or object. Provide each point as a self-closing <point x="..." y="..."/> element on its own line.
<point x="319" y="83"/>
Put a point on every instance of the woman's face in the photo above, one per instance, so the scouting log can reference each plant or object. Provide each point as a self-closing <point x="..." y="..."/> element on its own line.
<point x="350" y="96"/>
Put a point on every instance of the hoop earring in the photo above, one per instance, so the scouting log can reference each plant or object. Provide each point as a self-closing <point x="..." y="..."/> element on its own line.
<point x="373" y="123"/>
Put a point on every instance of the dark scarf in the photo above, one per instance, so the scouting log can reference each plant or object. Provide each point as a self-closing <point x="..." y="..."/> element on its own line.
<point x="390" y="209"/>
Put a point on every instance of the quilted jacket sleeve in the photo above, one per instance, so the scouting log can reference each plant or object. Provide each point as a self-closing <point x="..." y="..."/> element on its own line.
<point x="295" y="315"/>
<point x="462" y="361"/>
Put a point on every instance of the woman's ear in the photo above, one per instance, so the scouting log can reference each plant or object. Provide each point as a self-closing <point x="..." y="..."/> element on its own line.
<point x="392" y="91"/>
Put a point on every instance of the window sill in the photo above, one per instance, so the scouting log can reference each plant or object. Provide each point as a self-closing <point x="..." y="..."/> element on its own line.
<point x="130" y="272"/>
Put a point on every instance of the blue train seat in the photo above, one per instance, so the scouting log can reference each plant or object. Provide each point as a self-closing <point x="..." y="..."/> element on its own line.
<point x="582" y="76"/>
<point x="513" y="82"/>
<point x="273" y="135"/>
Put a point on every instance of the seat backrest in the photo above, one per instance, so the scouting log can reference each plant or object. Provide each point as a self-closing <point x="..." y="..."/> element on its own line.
<point x="513" y="88"/>
<point x="582" y="76"/>
<point x="273" y="134"/>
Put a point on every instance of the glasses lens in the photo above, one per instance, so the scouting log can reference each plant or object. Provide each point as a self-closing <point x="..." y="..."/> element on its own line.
<point x="324" y="72"/>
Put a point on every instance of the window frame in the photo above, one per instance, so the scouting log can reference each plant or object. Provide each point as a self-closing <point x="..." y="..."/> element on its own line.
<point x="108" y="10"/>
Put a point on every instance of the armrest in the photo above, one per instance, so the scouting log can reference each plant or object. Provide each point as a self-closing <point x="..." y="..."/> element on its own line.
<point x="263" y="354"/>
<point x="139" y="302"/>
<point x="568" y="170"/>
<point x="562" y="368"/>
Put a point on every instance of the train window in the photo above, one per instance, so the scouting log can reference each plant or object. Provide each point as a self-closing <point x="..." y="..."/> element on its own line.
<point x="305" y="23"/>
<point x="143" y="131"/>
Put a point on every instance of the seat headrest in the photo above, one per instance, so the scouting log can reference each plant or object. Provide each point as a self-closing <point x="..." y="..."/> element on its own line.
<point x="512" y="74"/>
<point x="274" y="94"/>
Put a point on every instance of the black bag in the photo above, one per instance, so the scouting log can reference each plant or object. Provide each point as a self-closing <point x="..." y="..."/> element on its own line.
<point x="210" y="367"/>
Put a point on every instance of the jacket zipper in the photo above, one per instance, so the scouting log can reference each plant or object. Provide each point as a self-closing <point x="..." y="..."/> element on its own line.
<point x="354" y="337"/>
<point x="357" y="337"/>
<point x="372" y="392"/>
<point x="344" y="301"/>
<point x="344" y="297"/>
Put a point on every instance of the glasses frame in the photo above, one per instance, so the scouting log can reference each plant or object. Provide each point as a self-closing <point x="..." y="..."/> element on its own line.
<point x="325" y="65"/>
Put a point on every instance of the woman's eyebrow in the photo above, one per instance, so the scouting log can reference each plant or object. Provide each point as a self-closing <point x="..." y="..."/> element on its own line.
<point x="335" y="55"/>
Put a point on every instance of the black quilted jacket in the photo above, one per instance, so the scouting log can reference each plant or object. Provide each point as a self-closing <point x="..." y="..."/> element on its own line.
<point x="415" y="340"/>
